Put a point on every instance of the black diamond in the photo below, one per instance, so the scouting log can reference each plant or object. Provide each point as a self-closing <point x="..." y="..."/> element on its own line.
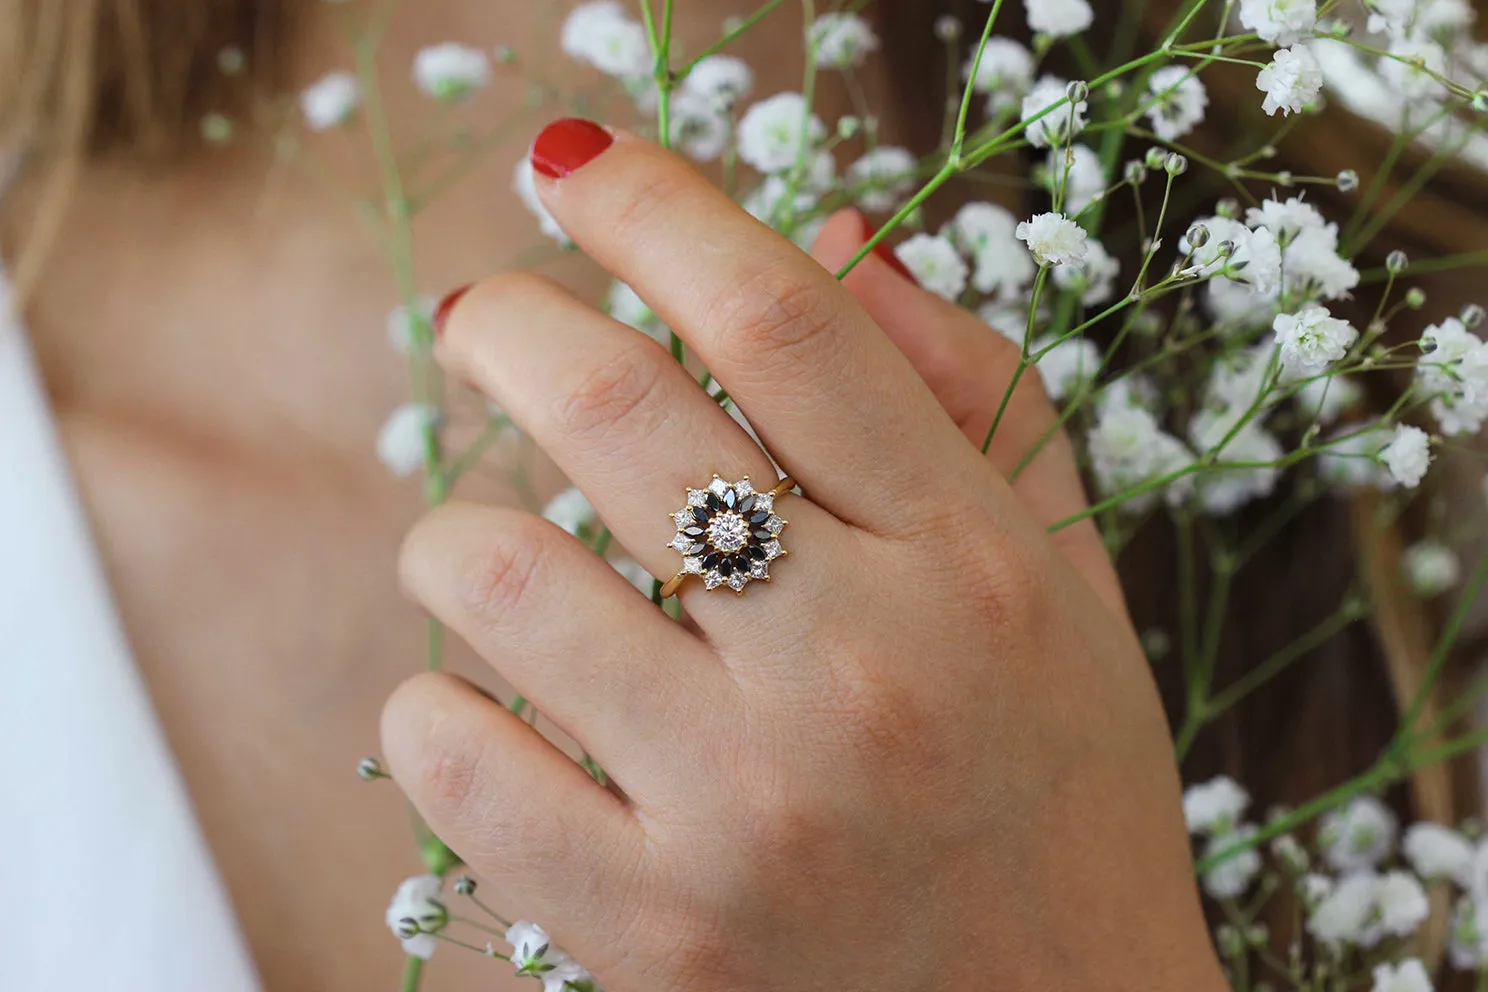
<point x="760" y="517"/>
<point x="741" y="563"/>
<point x="697" y="549"/>
<point x="760" y="534"/>
<point x="726" y="567"/>
<point x="756" y="552"/>
<point x="700" y="516"/>
<point x="746" y="504"/>
<point x="730" y="498"/>
<point x="712" y="558"/>
<point x="714" y="503"/>
<point x="694" y="531"/>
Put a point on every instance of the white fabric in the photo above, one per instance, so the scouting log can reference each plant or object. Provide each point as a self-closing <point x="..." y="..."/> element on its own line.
<point x="107" y="883"/>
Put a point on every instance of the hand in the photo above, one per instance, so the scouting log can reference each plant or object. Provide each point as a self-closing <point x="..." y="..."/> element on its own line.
<point x="928" y="755"/>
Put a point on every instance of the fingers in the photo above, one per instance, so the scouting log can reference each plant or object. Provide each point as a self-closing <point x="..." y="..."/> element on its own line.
<point x="569" y="632"/>
<point x="561" y="847"/>
<point x="626" y="423"/>
<point x="968" y="366"/>
<point x="830" y="396"/>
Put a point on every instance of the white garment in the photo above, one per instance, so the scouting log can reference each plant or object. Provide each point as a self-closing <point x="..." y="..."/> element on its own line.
<point x="106" y="884"/>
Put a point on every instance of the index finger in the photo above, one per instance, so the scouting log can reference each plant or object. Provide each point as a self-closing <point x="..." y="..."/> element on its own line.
<point x="831" y="397"/>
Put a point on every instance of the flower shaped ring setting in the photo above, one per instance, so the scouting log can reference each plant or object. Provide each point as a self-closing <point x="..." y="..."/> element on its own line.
<point x="728" y="534"/>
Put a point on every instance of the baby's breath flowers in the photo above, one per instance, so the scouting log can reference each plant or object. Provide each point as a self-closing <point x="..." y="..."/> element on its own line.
<point x="400" y="445"/>
<point x="1054" y="239"/>
<point x="451" y="72"/>
<point x="1053" y="114"/>
<point x="417" y="913"/>
<point x="331" y="102"/>
<point x="1291" y="80"/>
<point x="1408" y="455"/>
<point x="935" y="264"/>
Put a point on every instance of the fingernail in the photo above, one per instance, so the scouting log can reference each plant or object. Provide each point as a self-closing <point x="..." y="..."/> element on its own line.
<point x="442" y="312"/>
<point x="885" y="253"/>
<point x="566" y="146"/>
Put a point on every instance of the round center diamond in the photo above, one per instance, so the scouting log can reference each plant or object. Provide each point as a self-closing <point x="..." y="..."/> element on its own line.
<point x="728" y="532"/>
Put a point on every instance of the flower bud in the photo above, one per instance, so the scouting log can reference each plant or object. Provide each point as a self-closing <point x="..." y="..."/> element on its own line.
<point x="1197" y="236"/>
<point x="217" y="129"/>
<point x="1228" y="208"/>
<point x="1415" y="298"/>
<point x="369" y="769"/>
<point x="464" y="885"/>
<point x="1396" y="262"/>
<point x="1078" y="91"/>
<point x="407" y="928"/>
<point x="1175" y="164"/>
<point x="1348" y="181"/>
<point x="848" y="127"/>
<point x="1285" y="179"/>
<point x="231" y="60"/>
<point x="1136" y="172"/>
<point x="1155" y="157"/>
<point x="948" y="28"/>
<point x="1472" y="315"/>
<point x="1480" y="101"/>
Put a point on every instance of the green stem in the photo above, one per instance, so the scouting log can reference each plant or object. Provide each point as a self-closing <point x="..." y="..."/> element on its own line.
<point x="413" y="971"/>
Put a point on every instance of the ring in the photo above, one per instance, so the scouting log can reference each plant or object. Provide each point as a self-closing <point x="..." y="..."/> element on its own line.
<point x="728" y="534"/>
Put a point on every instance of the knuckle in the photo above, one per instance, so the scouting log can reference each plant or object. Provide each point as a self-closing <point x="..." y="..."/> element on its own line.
<point x="629" y="386"/>
<point x="777" y="316"/>
<point x="489" y="300"/>
<point x="650" y="196"/>
<point x="496" y="578"/>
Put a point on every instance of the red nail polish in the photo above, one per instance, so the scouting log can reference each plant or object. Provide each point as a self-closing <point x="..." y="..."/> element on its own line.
<point x="442" y="312"/>
<point x="885" y="253"/>
<point x="567" y="145"/>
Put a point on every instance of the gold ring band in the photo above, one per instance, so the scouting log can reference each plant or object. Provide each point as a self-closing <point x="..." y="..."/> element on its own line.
<point x="728" y="535"/>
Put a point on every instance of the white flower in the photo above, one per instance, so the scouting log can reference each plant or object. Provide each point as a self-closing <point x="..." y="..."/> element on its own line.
<point x="1290" y="852"/>
<point x="1291" y="80"/>
<point x="1342" y="914"/>
<point x="1239" y="254"/>
<point x="570" y="510"/>
<point x="1067" y="366"/>
<point x="1214" y="806"/>
<point x="1129" y="449"/>
<point x="722" y="79"/>
<point x="1437" y="852"/>
<point x="1313" y="267"/>
<point x="773" y="130"/>
<point x="402" y="326"/>
<point x="417" y="899"/>
<point x="935" y="264"/>
<point x="986" y="232"/>
<point x="1286" y="219"/>
<point x="1057" y="126"/>
<point x="400" y="443"/>
<point x="700" y="129"/>
<point x="1058" y="18"/>
<point x="624" y="305"/>
<point x="1181" y="102"/>
<point x="1096" y="275"/>
<point x="842" y="41"/>
<point x="1359" y="836"/>
<point x="1325" y="398"/>
<point x="1281" y="22"/>
<point x="535" y="955"/>
<point x="1231" y="877"/>
<point x="1468" y="948"/>
<point x="1004" y="74"/>
<point x="1407" y="976"/>
<point x="1311" y="339"/>
<point x="1408" y="455"/>
<point x="1432" y="569"/>
<point x="1352" y="461"/>
<point x="525" y="186"/>
<point x="451" y="72"/>
<point x="1222" y="491"/>
<point x="1454" y="372"/>
<point x="1078" y="169"/>
<point x="1053" y="239"/>
<point x="1401" y="904"/>
<point x="330" y="101"/>
<point x="1419" y="76"/>
<point x="604" y="36"/>
<point x="880" y="179"/>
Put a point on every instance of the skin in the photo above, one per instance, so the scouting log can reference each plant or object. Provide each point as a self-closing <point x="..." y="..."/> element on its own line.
<point x="934" y="726"/>
<point x="217" y="389"/>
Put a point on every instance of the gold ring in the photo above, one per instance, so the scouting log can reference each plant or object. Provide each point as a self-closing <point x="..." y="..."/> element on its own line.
<point x="728" y="534"/>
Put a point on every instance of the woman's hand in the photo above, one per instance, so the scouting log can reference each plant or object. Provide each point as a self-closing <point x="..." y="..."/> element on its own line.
<point x="928" y="755"/>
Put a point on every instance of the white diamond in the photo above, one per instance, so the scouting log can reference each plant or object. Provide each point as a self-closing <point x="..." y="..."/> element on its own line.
<point x="773" y="550"/>
<point x="718" y="487"/>
<point x="697" y="497"/>
<point x="692" y="566"/>
<point x="728" y="532"/>
<point x="681" y="542"/>
<point x="764" y="501"/>
<point x="738" y="581"/>
<point x="774" y="525"/>
<point x="743" y="488"/>
<point x="682" y="518"/>
<point x="759" y="569"/>
<point x="713" y="579"/>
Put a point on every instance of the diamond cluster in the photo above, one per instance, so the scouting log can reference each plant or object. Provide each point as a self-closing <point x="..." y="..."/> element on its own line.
<point x="728" y="534"/>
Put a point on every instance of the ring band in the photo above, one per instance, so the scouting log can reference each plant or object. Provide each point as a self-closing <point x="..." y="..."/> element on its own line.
<point x="728" y="535"/>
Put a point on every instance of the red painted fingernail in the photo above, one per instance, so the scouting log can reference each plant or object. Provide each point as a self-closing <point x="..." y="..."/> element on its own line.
<point x="566" y="146"/>
<point x="885" y="253"/>
<point x="442" y="312"/>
